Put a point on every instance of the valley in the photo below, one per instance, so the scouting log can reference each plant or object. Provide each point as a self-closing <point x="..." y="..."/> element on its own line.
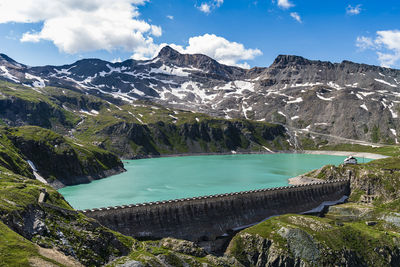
<point x="80" y="122"/>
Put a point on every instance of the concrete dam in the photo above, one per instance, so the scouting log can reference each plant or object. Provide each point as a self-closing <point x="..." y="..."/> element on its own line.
<point x="208" y="218"/>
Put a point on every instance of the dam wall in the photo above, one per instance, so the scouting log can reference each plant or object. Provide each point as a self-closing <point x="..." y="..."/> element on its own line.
<point x="211" y="217"/>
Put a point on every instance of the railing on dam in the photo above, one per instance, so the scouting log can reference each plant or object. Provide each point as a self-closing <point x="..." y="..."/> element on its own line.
<point x="208" y="217"/>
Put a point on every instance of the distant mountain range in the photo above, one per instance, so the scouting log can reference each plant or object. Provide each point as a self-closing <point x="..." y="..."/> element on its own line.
<point x="315" y="98"/>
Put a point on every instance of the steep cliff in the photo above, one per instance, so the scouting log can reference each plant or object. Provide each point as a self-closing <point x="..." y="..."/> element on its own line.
<point x="54" y="225"/>
<point x="59" y="160"/>
<point x="132" y="140"/>
<point x="294" y="240"/>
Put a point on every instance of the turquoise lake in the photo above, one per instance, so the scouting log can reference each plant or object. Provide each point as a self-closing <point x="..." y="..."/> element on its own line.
<point x="158" y="179"/>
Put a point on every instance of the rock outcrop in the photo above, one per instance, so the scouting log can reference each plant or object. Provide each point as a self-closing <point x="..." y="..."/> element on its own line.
<point x="60" y="161"/>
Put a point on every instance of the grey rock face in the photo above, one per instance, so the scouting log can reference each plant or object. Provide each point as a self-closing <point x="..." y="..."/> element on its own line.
<point x="131" y="263"/>
<point x="183" y="246"/>
<point x="346" y="99"/>
<point x="301" y="244"/>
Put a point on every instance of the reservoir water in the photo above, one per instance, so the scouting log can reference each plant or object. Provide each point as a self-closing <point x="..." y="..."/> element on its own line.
<point x="158" y="179"/>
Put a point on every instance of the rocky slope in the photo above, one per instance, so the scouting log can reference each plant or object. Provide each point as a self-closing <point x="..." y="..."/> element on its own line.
<point x="134" y="130"/>
<point x="346" y="99"/>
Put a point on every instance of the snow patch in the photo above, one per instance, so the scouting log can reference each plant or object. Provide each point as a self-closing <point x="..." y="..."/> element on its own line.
<point x="363" y="106"/>
<point x="91" y="113"/>
<point x="39" y="81"/>
<point x="394" y="114"/>
<point x="149" y="62"/>
<point x="354" y="85"/>
<point x="250" y="108"/>
<point x="359" y="97"/>
<point x="175" y="118"/>
<point x="8" y="75"/>
<point x="366" y="93"/>
<point x="335" y="86"/>
<point x="269" y="150"/>
<point x="385" y="82"/>
<point x="325" y="98"/>
<point x="64" y="71"/>
<point x="244" y="85"/>
<point x="283" y="114"/>
<point x="307" y="84"/>
<point x="177" y="71"/>
<point x="297" y="100"/>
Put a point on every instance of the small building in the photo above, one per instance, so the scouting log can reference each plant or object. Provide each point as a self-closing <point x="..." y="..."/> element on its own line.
<point x="350" y="160"/>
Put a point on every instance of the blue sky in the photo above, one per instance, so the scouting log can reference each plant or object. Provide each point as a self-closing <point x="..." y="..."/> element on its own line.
<point x="240" y="32"/>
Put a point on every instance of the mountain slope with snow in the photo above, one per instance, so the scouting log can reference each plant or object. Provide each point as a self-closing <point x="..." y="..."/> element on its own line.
<point x="345" y="99"/>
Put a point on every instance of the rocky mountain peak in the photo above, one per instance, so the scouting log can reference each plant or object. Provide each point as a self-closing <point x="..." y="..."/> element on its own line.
<point x="290" y="60"/>
<point x="168" y="52"/>
<point x="198" y="61"/>
<point x="6" y="60"/>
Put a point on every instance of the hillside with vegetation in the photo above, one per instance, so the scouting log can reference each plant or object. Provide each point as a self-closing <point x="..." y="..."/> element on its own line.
<point x="135" y="130"/>
<point x="363" y="232"/>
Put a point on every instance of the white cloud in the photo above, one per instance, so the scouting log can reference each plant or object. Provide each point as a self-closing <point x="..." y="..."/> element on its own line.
<point x="353" y="10"/>
<point x="220" y="49"/>
<point x="76" y="26"/>
<point x="216" y="47"/>
<point x="386" y="44"/>
<point x="156" y="30"/>
<point x="296" y="16"/>
<point x="207" y="7"/>
<point x="285" y="4"/>
<point x="363" y="43"/>
<point x="82" y="25"/>
<point x="204" y="7"/>
<point x="170" y="17"/>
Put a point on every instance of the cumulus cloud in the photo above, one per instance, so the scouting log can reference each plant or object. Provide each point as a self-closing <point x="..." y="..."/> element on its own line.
<point x="386" y="44"/>
<point x="285" y="4"/>
<point x="170" y="17"/>
<point x="220" y="49"/>
<point x="207" y="7"/>
<point x="76" y="26"/>
<point x="296" y="16"/>
<point x="353" y="10"/>
<point x="82" y="25"/>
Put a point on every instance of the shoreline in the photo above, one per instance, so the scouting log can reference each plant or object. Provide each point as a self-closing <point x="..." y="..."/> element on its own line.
<point x="300" y="179"/>
<point x="346" y="153"/>
<point x="266" y="152"/>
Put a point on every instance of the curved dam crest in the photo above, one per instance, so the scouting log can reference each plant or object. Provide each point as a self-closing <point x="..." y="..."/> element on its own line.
<point x="209" y="218"/>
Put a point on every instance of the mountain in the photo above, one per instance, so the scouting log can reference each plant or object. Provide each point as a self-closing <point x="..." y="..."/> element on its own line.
<point x="72" y="123"/>
<point x="135" y="130"/>
<point x="317" y="99"/>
